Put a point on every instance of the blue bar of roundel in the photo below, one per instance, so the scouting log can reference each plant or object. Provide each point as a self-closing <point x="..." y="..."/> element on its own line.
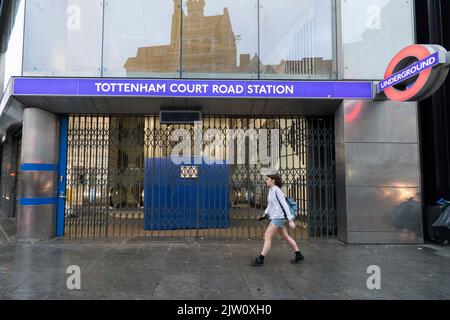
<point x="38" y="167"/>
<point x="435" y="55"/>
<point x="37" y="201"/>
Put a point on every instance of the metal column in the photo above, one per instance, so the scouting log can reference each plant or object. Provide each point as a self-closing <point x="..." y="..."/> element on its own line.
<point x="39" y="172"/>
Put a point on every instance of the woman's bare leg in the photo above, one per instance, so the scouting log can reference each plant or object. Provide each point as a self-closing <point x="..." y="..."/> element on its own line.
<point x="270" y="232"/>
<point x="288" y="239"/>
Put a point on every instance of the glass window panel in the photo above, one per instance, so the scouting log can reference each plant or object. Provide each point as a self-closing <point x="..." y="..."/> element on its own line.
<point x="296" y="39"/>
<point x="11" y="42"/>
<point x="2" y="73"/>
<point x="63" y="37"/>
<point x="142" y="38"/>
<point x="220" y="39"/>
<point x="374" y="31"/>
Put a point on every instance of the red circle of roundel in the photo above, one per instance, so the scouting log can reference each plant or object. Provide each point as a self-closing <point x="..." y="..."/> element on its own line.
<point x="419" y="52"/>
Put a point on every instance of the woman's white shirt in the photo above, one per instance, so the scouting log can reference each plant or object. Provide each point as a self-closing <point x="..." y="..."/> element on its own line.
<point x="273" y="208"/>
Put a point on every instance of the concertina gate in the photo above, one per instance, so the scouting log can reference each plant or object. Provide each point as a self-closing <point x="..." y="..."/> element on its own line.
<point x="120" y="184"/>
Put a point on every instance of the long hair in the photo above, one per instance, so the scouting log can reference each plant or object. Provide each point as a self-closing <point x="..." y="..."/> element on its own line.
<point x="278" y="182"/>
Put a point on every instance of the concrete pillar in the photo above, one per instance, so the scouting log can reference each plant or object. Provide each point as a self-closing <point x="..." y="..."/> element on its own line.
<point x="39" y="174"/>
<point x="378" y="173"/>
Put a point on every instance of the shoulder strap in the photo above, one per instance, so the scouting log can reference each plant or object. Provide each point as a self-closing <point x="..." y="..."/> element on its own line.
<point x="282" y="208"/>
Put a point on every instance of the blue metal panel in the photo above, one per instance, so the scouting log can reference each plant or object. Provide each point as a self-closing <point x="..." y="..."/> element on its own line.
<point x="36" y="201"/>
<point x="38" y="167"/>
<point x="64" y="123"/>
<point x="172" y="202"/>
<point x="214" y="198"/>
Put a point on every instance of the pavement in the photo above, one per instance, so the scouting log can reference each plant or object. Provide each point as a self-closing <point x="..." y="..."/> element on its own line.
<point x="208" y="270"/>
<point x="8" y="229"/>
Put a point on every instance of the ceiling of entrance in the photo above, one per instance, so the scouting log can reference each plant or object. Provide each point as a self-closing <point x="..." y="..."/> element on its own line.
<point x="88" y="105"/>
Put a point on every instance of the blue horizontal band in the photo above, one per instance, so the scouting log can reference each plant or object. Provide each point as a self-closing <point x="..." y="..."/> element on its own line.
<point x="37" y="201"/>
<point x="39" y="167"/>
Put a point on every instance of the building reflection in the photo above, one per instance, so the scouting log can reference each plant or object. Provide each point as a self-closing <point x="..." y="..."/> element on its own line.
<point x="307" y="66"/>
<point x="209" y="45"/>
<point x="366" y="46"/>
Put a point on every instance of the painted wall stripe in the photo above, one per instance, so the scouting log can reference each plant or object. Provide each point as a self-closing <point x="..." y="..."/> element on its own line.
<point x="38" y="167"/>
<point x="37" y="201"/>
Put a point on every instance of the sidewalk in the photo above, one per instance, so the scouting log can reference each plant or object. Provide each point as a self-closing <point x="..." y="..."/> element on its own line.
<point x="220" y="270"/>
<point x="8" y="229"/>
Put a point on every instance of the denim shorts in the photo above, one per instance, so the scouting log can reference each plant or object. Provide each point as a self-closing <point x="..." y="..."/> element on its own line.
<point x="280" y="223"/>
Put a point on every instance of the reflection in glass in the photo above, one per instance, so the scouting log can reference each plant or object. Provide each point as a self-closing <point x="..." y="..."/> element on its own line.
<point x="180" y="38"/>
<point x="220" y="38"/>
<point x="374" y="30"/>
<point x="11" y="43"/>
<point x="217" y="38"/>
<point x="296" y="39"/>
<point x="63" y="38"/>
<point x="142" y="38"/>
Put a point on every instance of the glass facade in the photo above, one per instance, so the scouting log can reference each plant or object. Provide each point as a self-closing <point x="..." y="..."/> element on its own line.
<point x="234" y="39"/>
<point x="374" y="31"/>
<point x="11" y="41"/>
<point x="220" y="39"/>
<point x="63" y="38"/>
<point x="142" y="38"/>
<point x="296" y="39"/>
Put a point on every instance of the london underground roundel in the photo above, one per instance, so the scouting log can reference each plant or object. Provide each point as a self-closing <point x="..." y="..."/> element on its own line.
<point x="415" y="73"/>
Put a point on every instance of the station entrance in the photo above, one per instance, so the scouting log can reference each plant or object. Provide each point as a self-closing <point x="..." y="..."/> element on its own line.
<point x="121" y="181"/>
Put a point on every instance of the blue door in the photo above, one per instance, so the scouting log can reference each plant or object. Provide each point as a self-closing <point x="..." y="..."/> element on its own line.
<point x="185" y="196"/>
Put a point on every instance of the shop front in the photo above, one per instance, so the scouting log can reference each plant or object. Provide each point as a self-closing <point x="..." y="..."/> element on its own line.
<point x="117" y="175"/>
<point x="159" y="119"/>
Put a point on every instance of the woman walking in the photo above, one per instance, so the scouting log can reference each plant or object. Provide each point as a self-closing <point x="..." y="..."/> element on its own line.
<point x="278" y="212"/>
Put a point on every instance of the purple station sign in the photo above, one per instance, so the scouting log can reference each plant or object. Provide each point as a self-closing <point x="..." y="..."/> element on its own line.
<point x="104" y="87"/>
